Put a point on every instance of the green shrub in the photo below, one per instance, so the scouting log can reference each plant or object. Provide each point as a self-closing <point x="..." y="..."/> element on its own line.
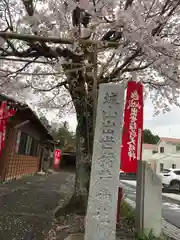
<point x="150" y="236"/>
<point x="128" y="214"/>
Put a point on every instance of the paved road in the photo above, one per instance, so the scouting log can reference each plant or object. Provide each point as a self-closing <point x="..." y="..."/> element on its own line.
<point x="27" y="206"/>
<point x="170" y="210"/>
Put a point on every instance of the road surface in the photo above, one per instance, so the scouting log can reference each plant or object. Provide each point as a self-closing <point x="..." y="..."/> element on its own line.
<point x="170" y="210"/>
<point x="27" y="206"/>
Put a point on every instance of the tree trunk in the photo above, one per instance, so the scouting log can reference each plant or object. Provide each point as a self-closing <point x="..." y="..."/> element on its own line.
<point x="84" y="135"/>
<point x="84" y="146"/>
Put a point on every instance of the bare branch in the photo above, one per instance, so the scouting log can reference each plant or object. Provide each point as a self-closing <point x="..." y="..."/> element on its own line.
<point x="128" y="61"/>
<point x="10" y="22"/>
<point x="104" y="67"/>
<point x="38" y="51"/>
<point x="160" y="26"/>
<point x="29" y="6"/>
<point x="26" y="60"/>
<point x="128" y="4"/>
<point x="22" y="68"/>
<point x="48" y="89"/>
<point x="27" y="37"/>
<point x="39" y="73"/>
<point x="140" y="68"/>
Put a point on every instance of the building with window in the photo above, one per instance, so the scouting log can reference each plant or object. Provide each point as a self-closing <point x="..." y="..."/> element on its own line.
<point x="148" y="150"/>
<point x="28" y="144"/>
<point x="167" y="156"/>
<point x="168" y="145"/>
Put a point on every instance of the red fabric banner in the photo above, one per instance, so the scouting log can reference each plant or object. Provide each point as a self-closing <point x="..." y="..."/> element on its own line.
<point x="131" y="149"/>
<point x="5" y="114"/>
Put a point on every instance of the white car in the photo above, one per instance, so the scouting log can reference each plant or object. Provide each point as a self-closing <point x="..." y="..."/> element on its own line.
<point x="171" y="178"/>
<point x="121" y="173"/>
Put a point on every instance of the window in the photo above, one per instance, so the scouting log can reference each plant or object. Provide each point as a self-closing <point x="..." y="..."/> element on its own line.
<point x="177" y="172"/>
<point x="161" y="149"/>
<point x="28" y="145"/>
<point x="23" y="143"/>
<point x="34" y="148"/>
<point x="178" y="148"/>
<point x="161" y="167"/>
<point x="173" y="166"/>
<point x="46" y="154"/>
<point x="38" y="150"/>
<point x="166" y="171"/>
<point x="154" y="151"/>
<point x="17" y="141"/>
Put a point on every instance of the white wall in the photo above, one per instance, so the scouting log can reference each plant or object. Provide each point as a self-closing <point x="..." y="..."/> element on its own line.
<point x="169" y="157"/>
<point x="147" y="154"/>
<point x="168" y="147"/>
<point x="167" y="162"/>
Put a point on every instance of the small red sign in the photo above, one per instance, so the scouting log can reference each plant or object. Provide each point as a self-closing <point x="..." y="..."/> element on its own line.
<point x="57" y="156"/>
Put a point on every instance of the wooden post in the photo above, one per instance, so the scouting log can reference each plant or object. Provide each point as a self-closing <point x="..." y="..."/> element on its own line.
<point x="120" y="196"/>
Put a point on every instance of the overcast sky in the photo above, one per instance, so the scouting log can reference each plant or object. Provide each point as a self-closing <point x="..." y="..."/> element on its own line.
<point x="164" y="125"/>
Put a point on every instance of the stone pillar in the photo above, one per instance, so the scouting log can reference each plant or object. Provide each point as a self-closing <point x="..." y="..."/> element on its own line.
<point x="104" y="183"/>
<point x="148" y="201"/>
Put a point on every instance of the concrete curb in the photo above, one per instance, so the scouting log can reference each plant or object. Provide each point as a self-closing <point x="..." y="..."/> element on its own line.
<point x="168" y="229"/>
<point x="175" y="201"/>
<point x="127" y="184"/>
<point x="166" y="198"/>
<point x="66" y="189"/>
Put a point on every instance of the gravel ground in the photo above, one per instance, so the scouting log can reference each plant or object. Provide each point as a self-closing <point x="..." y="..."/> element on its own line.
<point x="27" y="206"/>
<point x="27" y="209"/>
<point x="75" y="224"/>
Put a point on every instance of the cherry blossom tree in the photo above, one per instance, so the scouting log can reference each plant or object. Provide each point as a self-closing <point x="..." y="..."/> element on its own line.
<point x="62" y="50"/>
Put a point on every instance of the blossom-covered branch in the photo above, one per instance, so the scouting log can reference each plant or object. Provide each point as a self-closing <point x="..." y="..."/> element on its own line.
<point x="141" y="36"/>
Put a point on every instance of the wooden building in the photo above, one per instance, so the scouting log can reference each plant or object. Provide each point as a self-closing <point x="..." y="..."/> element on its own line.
<point x="28" y="144"/>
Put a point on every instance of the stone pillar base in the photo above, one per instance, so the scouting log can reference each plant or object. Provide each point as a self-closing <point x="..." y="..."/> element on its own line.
<point x="75" y="236"/>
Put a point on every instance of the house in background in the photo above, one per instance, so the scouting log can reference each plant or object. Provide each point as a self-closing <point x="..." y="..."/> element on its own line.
<point x="168" y="155"/>
<point x="148" y="151"/>
<point x="169" y="145"/>
<point x="27" y="144"/>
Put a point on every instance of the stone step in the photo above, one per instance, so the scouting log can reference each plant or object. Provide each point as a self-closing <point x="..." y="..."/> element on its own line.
<point x="75" y="236"/>
<point x="171" y="231"/>
<point x="121" y="234"/>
